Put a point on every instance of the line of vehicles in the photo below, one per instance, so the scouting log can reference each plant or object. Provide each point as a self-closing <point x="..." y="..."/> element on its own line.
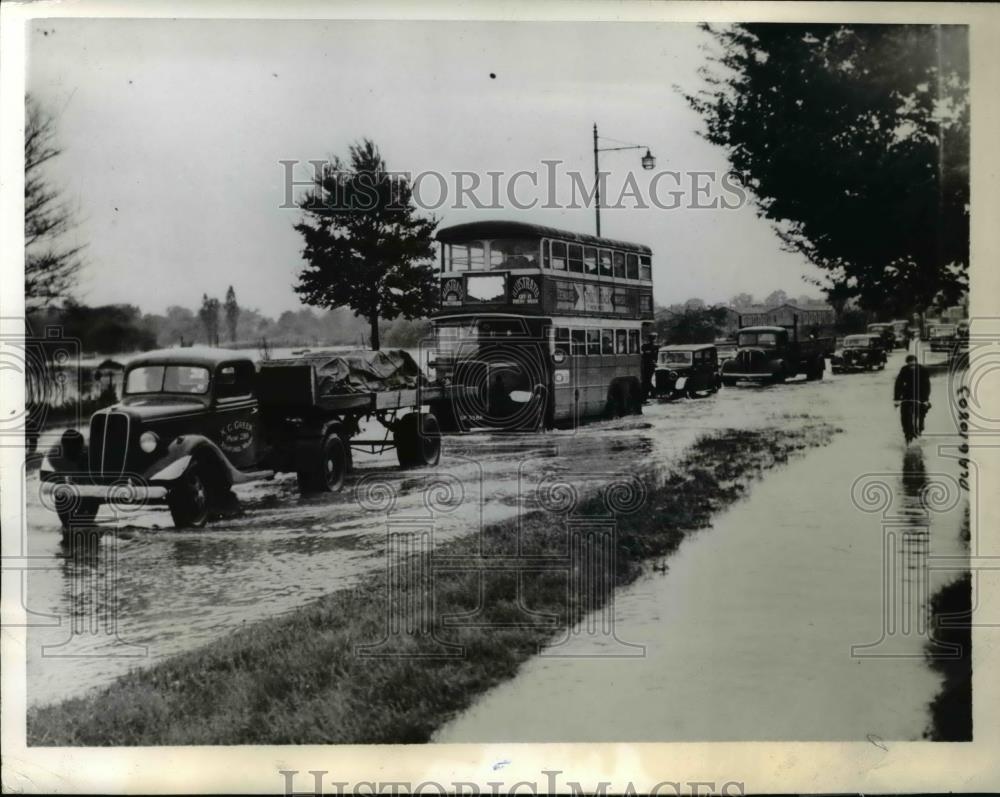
<point x="537" y="328"/>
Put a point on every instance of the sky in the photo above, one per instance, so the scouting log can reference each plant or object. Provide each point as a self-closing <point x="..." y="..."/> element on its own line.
<point x="173" y="132"/>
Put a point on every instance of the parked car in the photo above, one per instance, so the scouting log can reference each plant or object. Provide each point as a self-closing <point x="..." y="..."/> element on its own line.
<point x="887" y="332"/>
<point x="192" y="423"/>
<point x="859" y="353"/>
<point x="686" y="370"/>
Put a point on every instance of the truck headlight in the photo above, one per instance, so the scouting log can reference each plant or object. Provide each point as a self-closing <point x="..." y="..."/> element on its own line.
<point x="148" y="442"/>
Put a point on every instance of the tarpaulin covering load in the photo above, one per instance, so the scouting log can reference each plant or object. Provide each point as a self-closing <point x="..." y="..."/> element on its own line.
<point x="359" y="371"/>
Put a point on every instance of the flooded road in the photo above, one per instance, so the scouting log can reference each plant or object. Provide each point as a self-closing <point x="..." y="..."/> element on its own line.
<point x="147" y="591"/>
<point x="770" y="625"/>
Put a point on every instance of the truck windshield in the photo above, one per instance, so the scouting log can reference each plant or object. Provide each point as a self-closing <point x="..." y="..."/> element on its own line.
<point x="167" y="379"/>
<point x="675" y="357"/>
<point x="758" y="339"/>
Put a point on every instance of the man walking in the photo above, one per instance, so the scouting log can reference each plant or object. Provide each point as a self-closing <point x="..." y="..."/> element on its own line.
<point x="912" y="393"/>
<point x="650" y="350"/>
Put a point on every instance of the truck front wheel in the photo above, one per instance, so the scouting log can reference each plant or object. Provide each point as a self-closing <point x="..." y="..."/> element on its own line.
<point x="324" y="469"/>
<point x="188" y="498"/>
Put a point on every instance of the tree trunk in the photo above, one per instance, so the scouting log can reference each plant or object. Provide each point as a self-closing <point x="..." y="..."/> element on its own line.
<point x="375" y="342"/>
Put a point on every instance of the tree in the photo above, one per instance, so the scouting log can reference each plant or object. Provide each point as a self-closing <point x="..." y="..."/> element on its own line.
<point x="695" y="304"/>
<point x="692" y="324"/>
<point x="365" y="247"/>
<point x="50" y="265"/>
<point x="232" y="313"/>
<point x="741" y="301"/>
<point x="854" y="143"/>
<point x="209" y="317"/>
<point x="776" y="299"/>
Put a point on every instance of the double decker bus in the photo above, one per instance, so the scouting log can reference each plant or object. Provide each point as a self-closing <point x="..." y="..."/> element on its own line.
<point x="541" y="327"/>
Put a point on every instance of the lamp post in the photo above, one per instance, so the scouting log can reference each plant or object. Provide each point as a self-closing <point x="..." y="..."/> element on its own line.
<point x="648" y="162"/>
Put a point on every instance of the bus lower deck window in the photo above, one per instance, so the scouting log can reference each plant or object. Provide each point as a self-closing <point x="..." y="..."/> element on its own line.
<point x="593" y="341"/>
<point x="579" y="339"/>
<point x="607" y="341"/>
<point x="621" y="341"/>
<point x="633" y="341"/>
<point x="562" y="339"/>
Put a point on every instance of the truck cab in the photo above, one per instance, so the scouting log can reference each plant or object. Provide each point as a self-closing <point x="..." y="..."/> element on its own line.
<point x="177" y="405"/>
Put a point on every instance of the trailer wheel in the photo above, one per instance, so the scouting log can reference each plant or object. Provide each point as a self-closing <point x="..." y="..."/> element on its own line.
<point x="418" y="440"/>
<point x="322" y="469"/>
<point x="188" y="499"/>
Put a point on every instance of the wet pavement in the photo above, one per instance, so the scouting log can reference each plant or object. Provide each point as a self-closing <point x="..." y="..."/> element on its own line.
<point x="161" y="591"/>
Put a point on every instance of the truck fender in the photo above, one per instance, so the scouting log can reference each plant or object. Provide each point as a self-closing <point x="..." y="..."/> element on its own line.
<point x="182" y="450"/>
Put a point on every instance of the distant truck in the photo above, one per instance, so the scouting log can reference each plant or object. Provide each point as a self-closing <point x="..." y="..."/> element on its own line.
<point x="776" y="353"/>
<point x="192" y="423"/>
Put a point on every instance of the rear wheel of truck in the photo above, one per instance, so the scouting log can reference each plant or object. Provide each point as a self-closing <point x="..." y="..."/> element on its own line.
<point x="188" y="499"/>
<point x="417" y="437"/>
<point x="76" y="512"/>
<point x="323" y="469"/>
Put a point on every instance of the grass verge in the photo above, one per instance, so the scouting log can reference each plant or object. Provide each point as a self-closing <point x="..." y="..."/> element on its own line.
<point x="298" y="679"/>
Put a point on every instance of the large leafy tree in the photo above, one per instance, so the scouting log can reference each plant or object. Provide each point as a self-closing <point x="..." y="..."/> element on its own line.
<point x="365" y="246"/>
<point x="854" y="141"/>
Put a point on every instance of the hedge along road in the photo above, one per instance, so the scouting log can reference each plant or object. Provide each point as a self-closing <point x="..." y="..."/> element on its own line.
<point x="178" y="590"/>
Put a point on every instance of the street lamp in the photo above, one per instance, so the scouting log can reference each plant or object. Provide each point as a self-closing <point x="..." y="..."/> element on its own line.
<point x="648" y="162"/>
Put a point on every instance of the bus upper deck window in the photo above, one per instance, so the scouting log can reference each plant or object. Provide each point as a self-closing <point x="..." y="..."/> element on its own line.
<point x="590" y="260"/>
<point x="645" y="268"/>
<point x="606" y="263"/>
<point x="546" y="263"/>
<point x="576" y="258"/>
<point x="558" y="255"/>
<point x="619" y="265"/>
<point x="477" y="256"/>
<point x="458" y="257"/>
<point x="579" y="338"/>
<point x="514" y="253"/>
<point x="633" y="267"/>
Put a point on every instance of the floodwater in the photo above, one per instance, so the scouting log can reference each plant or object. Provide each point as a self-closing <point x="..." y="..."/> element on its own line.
<point x="770" y="625"/>
<point x="796" y="558"/>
